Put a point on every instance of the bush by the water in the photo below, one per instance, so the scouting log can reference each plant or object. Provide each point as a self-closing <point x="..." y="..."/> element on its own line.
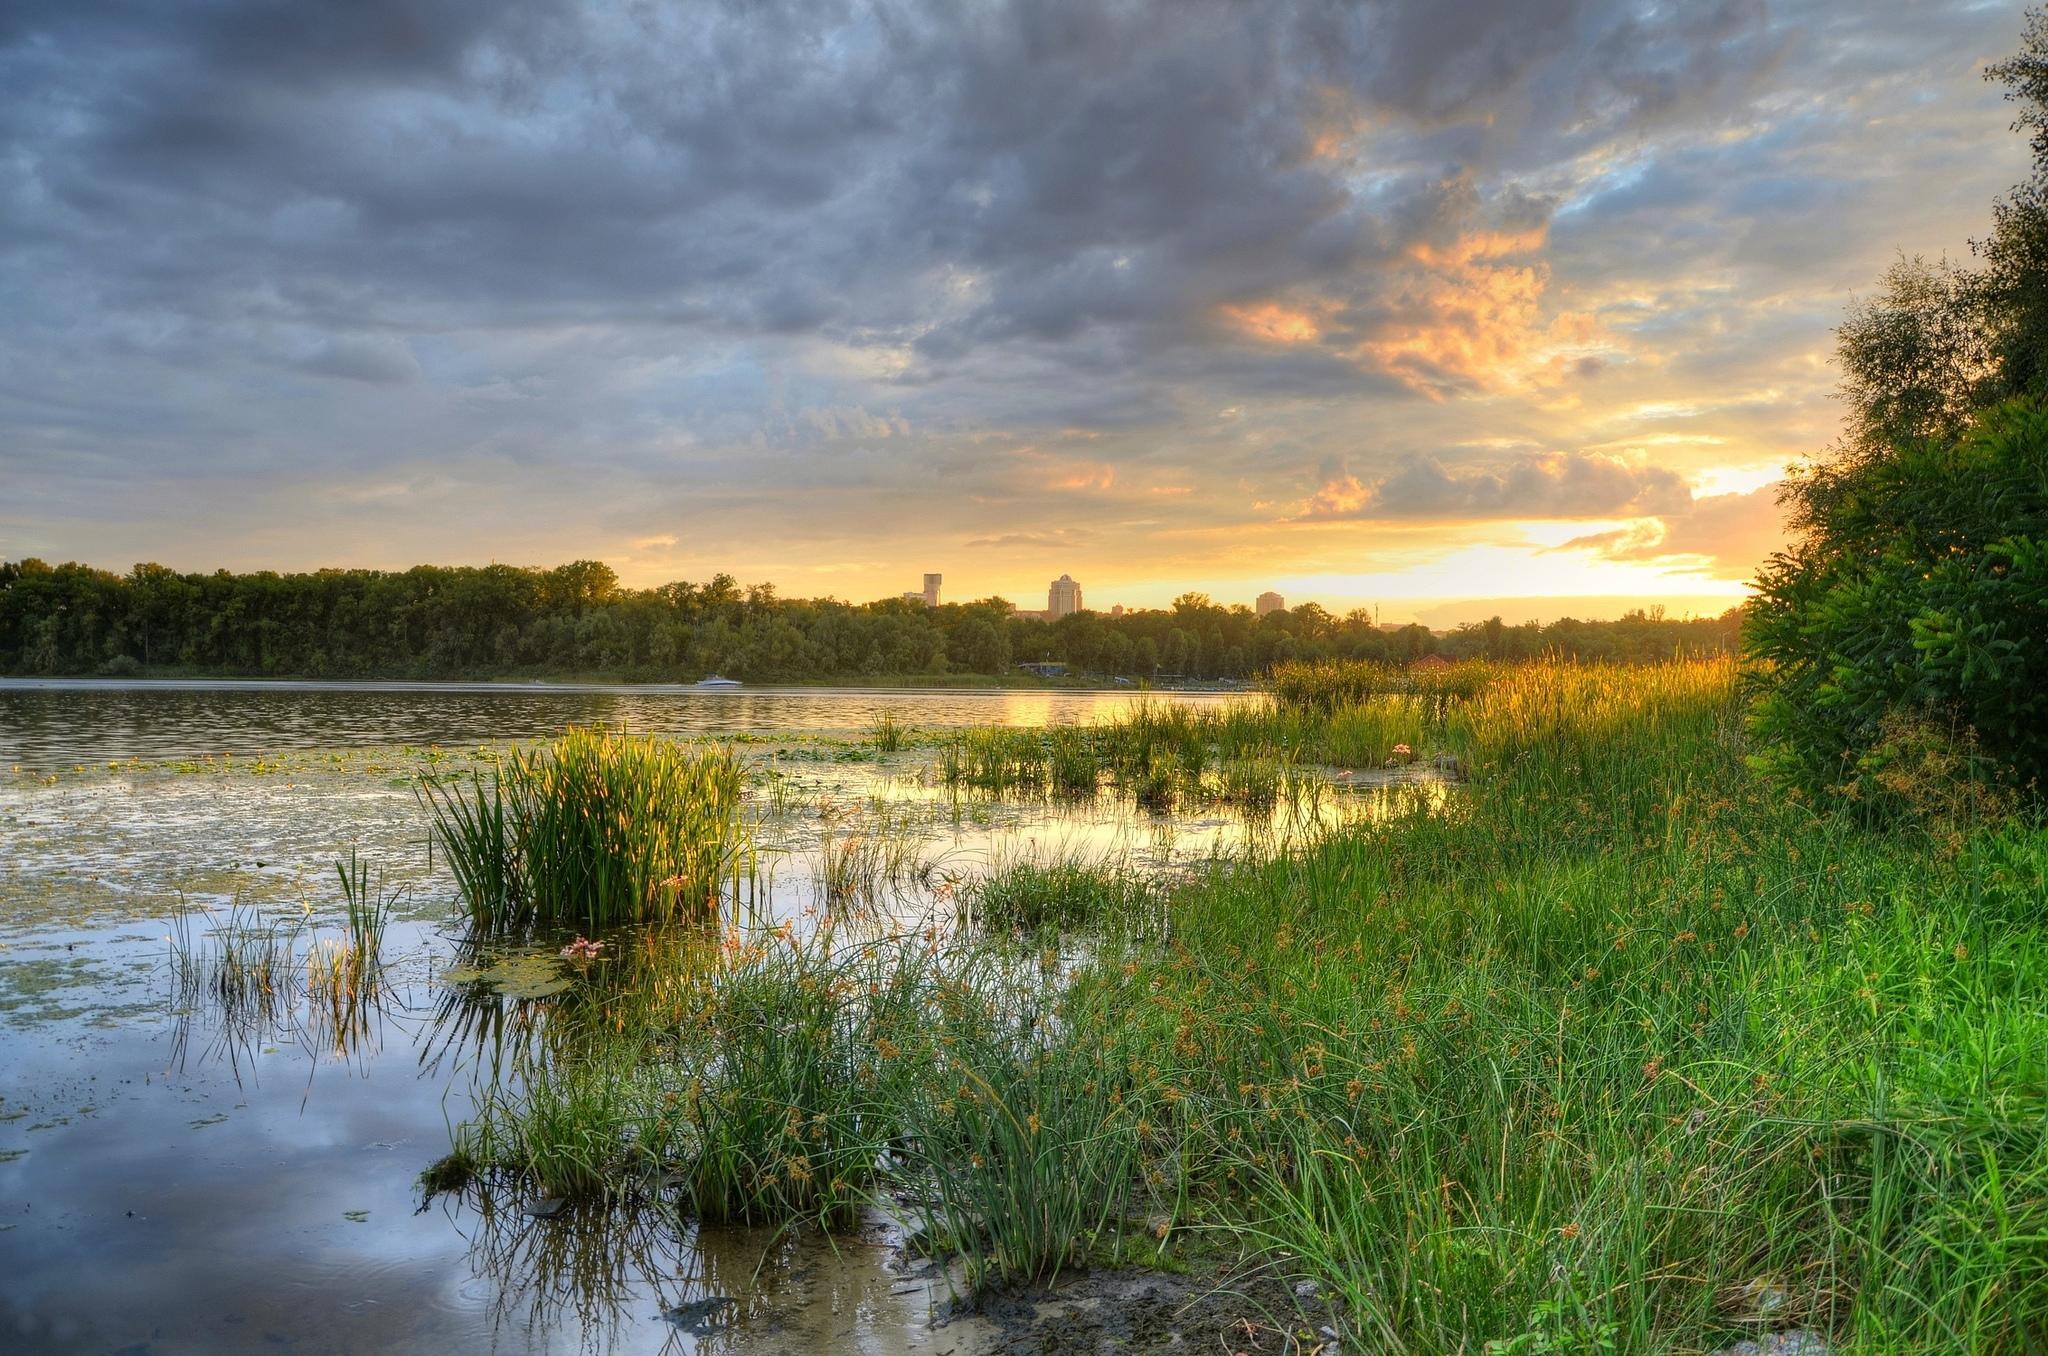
<point x="1913" y="621"/>
<point x="592" y="829"/>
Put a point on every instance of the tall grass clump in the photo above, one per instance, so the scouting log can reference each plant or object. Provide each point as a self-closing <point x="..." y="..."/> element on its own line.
<point x="1057" y="896"/>
<point x="1022" y="1148"/>
<point x="1366" y="733"/>
<point x="366" y="906"/>
<point x="345" y="974"/>
<point x="1328" y="684"/>
<point x="1070" y="761"/>
<point x="592" y="829"/>
<point x="887" y="733"/>
<point x="996" y="759"/>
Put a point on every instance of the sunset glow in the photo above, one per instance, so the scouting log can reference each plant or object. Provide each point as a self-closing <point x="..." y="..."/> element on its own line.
<point x="1366" y="328"/>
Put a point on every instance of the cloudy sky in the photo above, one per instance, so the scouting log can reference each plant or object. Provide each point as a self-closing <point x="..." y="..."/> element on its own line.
<point x="1439" y="306"/>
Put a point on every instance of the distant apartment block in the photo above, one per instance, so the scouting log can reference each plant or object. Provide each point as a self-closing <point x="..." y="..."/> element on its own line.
<point x="1062" y="598"/>
<point x="1269" y="602"/>
<point x="929" y="596"/>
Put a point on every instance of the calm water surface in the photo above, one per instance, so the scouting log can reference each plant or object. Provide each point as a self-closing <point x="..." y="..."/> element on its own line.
<point x="61" y="722"/>
<point x="181" y="1175"/>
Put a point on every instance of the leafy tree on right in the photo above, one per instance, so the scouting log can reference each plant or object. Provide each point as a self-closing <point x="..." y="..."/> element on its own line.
<point x="1900" y="647"/>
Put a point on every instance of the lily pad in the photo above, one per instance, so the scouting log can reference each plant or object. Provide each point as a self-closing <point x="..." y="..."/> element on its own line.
<point x="521" y="975"/>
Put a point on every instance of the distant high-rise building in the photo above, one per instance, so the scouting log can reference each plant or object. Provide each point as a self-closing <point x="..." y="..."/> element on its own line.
<point x="929" y="595"/>
<point x="1269" y="602"/>
<point x="1062" y="597"/>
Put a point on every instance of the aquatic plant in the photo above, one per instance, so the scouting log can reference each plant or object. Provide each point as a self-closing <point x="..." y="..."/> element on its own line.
<point x="887" y="733"/>
<point x="1021" y="1151"/>
<point x="367" y="906"/>
<point x="1366" y="733"/>
<point x="595" y="828"/>
<point x="1071" y="764"/>
<point x="1060" y="895"/>
<point x="1251" y="782"/>
<point x="1330" y="684"/>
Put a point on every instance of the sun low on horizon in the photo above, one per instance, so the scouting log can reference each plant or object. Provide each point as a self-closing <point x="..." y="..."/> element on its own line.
<point x="1442" y="312"/>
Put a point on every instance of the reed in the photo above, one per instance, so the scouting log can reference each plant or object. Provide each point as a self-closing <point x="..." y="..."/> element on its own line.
<point x="887" y="734"/>
<point x="1250" y="782"/>
<point x="1071" y="762"/>
<point x="593" y="829"/>
<point x="1056" y="896"/>
<point x="1327" y="685"/>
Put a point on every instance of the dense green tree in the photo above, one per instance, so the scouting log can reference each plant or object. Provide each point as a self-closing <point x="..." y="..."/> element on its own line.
<point x="1909" y="630"/>
<point x="1903" y="640"/>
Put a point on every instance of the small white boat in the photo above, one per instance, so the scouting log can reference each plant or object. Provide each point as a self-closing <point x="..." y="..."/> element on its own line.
<point x="715" y="680"/>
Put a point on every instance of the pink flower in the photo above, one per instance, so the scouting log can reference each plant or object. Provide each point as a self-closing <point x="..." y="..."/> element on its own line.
<point x="582" y="951"/>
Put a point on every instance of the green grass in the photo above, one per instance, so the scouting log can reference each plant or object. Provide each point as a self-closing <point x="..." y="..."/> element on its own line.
<point x="1056" y="896"/>
<point x="888" y="734"/>
<point x="1616" y="1049"/>
<point x="593" y="829"/>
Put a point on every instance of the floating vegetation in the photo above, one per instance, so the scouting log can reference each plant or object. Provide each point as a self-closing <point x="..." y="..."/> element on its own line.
<point x="516" y="975"/>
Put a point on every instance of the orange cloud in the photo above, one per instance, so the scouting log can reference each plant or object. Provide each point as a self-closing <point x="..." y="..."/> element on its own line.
<point x="1274" y="323"/>
<point x="1085" y="476"/>
<point x="1338" y="497"/>
<point x="1726" y="536"/>
<point x="1467" y="316"/>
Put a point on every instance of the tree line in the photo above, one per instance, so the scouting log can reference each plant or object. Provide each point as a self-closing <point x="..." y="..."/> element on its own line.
<point x="577" y="620"/>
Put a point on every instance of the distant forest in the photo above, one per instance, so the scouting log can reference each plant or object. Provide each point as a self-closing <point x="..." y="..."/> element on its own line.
<point x="576" y="620"/>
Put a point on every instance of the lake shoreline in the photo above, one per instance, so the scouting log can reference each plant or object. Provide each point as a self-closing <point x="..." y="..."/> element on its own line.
<point x="883" y="683"/>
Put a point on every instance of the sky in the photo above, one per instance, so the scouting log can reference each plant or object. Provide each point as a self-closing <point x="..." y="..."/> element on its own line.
<point x="1447" y="309"/>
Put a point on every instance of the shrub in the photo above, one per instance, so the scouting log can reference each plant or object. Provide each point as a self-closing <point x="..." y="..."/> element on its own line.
<point x="1920" y="594"/>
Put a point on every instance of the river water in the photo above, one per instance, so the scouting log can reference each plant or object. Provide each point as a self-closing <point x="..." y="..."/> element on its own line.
<point x="52" y="723"/>
<point x="183" y="1173"/>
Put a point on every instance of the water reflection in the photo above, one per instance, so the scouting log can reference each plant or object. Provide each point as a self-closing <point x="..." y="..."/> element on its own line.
<point x="54" y="724"/>
<point x="150" y="1116"/>
<point x="243" y="982"/>
<point x="590" y="1271"/>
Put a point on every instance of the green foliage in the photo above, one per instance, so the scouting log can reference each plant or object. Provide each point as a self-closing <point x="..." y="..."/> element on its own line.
<point x="592" y="829"/>
<point x="1329" y="685"/>
<point x="1921" y="595"/>
<point x="888" y="733"/>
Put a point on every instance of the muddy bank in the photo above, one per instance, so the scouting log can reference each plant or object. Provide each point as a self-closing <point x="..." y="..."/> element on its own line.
<point x="1227" y="1304"/>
